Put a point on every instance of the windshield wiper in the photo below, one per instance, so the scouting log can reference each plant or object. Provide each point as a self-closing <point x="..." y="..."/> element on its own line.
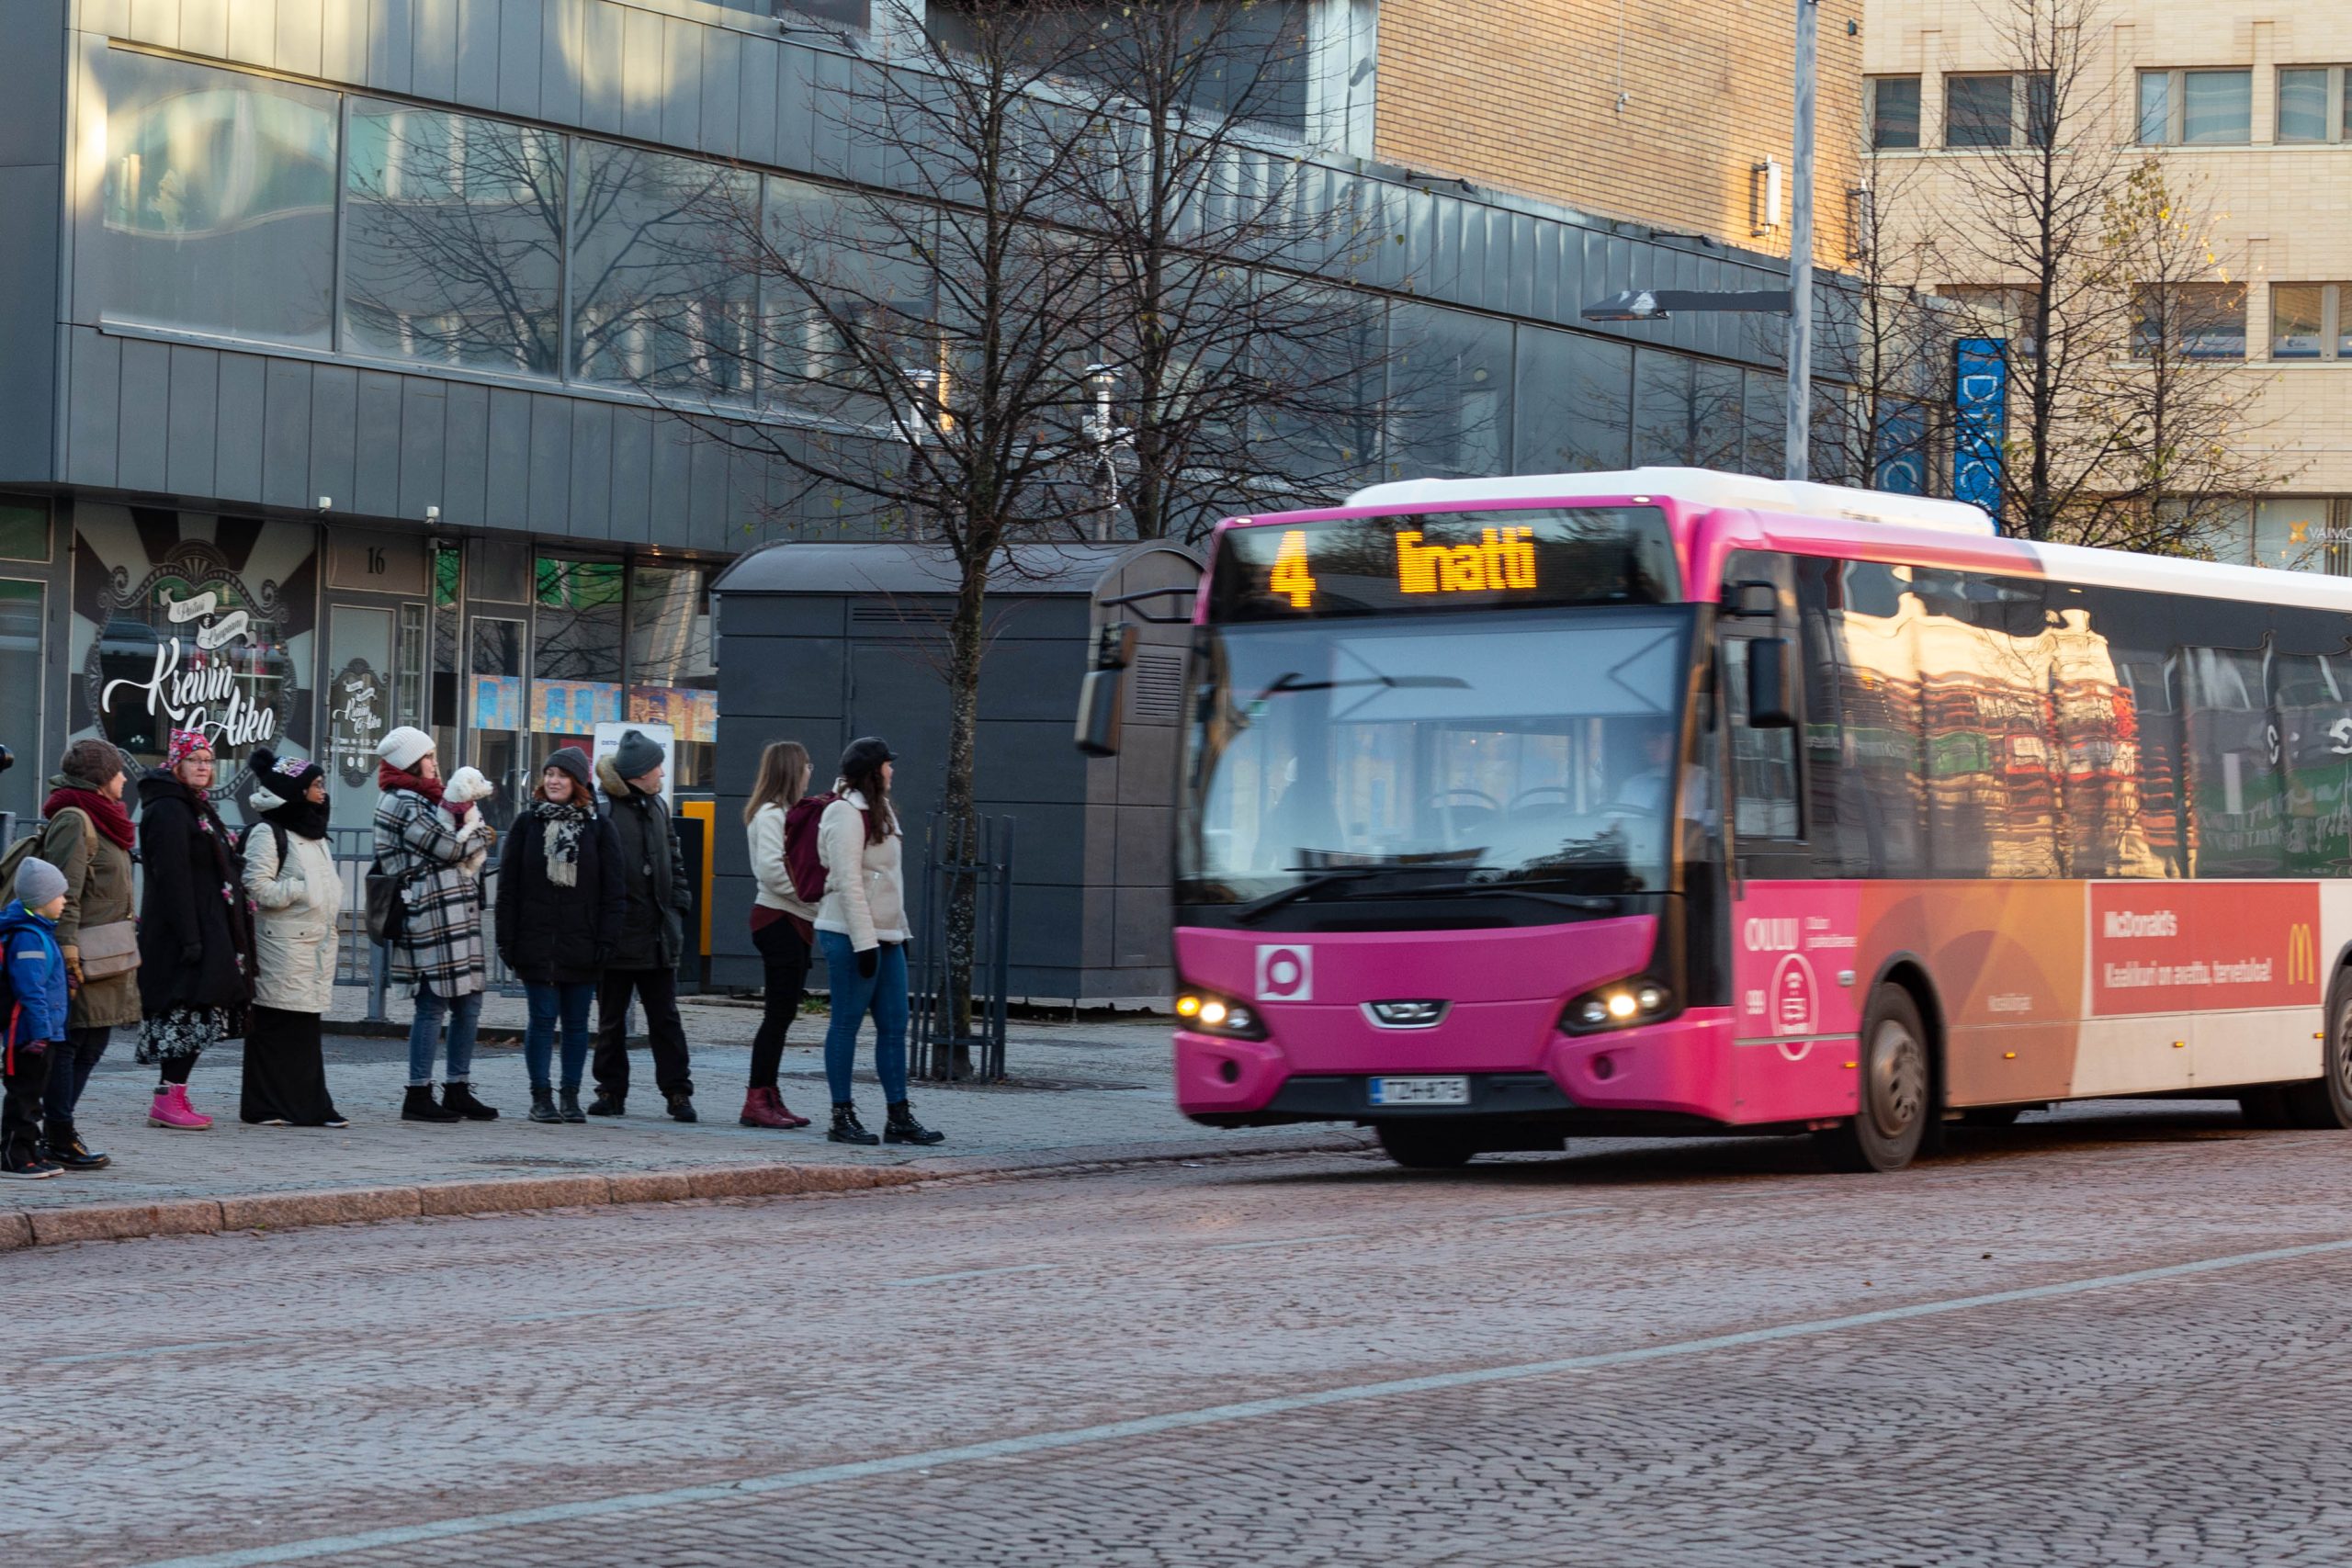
<point x="1592" y="903"/>
<point x="1257" y="907"/>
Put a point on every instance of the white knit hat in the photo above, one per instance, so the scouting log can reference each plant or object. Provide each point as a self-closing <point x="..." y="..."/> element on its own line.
<point x="405" y="746"/>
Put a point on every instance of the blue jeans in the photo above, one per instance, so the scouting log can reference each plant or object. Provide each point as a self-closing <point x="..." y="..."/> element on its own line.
<point x="854" y="996"/>
<point x="424" y="1033"/>
<point x="546" y="1002"/>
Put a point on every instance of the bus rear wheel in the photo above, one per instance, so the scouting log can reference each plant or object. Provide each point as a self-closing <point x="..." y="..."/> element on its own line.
<point x="1421" y="1146"/>
<point x="2325" y="1103"/>
<point x="1892" y="1100"/>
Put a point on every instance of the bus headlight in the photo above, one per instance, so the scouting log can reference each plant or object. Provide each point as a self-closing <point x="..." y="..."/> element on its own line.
<point x="1210" y="1013"/>
<point x="1617" y="1006"/>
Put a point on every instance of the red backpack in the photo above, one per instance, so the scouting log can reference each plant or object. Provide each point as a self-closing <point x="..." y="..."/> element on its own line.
<point x="801" y="862"/>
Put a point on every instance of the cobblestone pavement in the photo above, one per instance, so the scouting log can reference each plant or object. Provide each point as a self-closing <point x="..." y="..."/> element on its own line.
<point x="2115" y="1336"/>
<point x="1091" y="1084"/>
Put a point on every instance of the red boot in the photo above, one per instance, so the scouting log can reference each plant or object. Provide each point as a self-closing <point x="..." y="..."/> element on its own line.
<point x="765" y="1108"/>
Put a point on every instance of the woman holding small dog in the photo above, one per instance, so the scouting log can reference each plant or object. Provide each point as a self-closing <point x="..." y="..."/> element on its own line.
<point x="432" y="840"/>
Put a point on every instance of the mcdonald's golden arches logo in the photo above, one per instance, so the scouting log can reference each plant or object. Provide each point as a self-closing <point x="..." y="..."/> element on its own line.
<point x="2303" y="954"/>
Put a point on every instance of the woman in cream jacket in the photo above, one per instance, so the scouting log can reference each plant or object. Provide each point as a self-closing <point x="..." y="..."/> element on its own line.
<point x="297" y="891"/>
<point x="862" y="929"/>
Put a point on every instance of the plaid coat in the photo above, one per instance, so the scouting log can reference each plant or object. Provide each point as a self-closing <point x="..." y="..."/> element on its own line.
<point x="440" y="941"/>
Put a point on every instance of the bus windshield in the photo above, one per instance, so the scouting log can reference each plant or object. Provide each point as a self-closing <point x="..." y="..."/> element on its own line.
<point x="1523" y="747"/>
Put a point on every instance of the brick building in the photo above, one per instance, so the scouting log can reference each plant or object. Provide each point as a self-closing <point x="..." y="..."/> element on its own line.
<point x="1654" y="110"/>
<point x="2243" y="99"/>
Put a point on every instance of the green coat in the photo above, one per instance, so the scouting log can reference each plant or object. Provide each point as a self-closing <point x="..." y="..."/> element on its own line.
<point x="97" y="891"/>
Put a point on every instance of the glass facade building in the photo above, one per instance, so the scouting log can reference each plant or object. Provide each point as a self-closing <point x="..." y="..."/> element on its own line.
<point x="344" y="328"/>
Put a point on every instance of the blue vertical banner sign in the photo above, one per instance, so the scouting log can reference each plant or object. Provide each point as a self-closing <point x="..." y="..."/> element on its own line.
<point x="1899" y="463"/>
<point x="1980" y="395"/>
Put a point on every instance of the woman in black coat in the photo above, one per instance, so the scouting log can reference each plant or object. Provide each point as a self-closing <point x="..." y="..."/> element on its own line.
<point x="560" y="901"/>
<point x="196" y="931"/>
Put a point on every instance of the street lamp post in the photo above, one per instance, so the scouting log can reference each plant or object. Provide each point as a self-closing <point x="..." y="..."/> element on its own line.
<point x="1798" y="460"/>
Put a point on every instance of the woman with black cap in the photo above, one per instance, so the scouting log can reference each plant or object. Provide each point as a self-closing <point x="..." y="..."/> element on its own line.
<point x="862" y="927"/>
<point x="298" y="891"/>
<point x="559" y="918"/>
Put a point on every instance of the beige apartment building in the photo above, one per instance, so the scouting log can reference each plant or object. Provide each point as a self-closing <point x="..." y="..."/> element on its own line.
<point x="1657" y="111"/>
<point x="2245" y="99"/>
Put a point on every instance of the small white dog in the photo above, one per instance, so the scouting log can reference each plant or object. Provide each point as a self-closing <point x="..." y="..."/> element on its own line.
<point x="466" y="786"/>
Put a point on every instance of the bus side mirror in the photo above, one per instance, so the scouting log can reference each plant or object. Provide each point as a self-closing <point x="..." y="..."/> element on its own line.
<point x="1772" y="684"/>
<point x="1100" y="711"/>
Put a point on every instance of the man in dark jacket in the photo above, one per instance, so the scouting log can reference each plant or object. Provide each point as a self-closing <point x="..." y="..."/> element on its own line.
<point x="644" y="960"/>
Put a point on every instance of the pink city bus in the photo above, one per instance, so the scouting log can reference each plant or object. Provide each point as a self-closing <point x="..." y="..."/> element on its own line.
<point x="1675" y="802"/>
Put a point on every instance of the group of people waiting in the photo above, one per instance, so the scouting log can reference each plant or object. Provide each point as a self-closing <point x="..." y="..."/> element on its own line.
<point x="236" y="935"/>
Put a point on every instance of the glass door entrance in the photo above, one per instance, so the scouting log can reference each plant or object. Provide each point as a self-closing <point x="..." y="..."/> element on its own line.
<point x="375" y="681"/>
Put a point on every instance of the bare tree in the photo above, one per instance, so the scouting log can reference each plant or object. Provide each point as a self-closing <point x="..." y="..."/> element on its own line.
<point x="2029" y="213"/>
<point x="2183" y="408"/>
<point x="2130" y="408"/>
<point x="1885" y="326"/>
<point x="1239" y="372"/>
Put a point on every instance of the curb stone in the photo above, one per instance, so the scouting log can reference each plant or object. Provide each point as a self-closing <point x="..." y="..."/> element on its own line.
<point x="293" y="1211"/>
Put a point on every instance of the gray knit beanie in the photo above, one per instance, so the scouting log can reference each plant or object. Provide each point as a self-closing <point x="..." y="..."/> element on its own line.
<point x="38" y="882"/>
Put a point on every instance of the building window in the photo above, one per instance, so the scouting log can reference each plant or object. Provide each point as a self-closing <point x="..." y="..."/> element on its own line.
<point x="2002" y="310"/>
<point x="655" y="301"/>
<point x="1894" y="112"/>
<point x="22" y="676"/>
<point x="674" y="678"/>
<point x="2196" y="108"/>
<point x="1449" y="393"/>
<point x="215" y="206"/>
<point x="1574" y="401"/>
<point x="577" y="640"/>
<point x="1253" y="58"/>
<point x="2310" y="104"/>
<point x="2308" y="320"/>
<point x="2189" y="320"/>
<point x="453" y="240"/>
<point x="2011" y="109"/>
<point x="2292" y="533"/>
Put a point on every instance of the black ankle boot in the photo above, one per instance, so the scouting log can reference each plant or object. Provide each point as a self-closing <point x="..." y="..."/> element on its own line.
<point x="543" y="1106"/>
<point x="847" y="1128"/>
<point x="682" y="1107"/>
<point x="458" y="1097"/>
<point x="901" y="1127"/>
<point x="568" y="1105"/>
<point x="608" y="1102"/>
<point x="420" y="1106"/>
<point x="65" y="1148"/>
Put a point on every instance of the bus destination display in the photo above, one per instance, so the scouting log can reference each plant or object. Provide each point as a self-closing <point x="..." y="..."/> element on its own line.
<point x="1443" y="561"/>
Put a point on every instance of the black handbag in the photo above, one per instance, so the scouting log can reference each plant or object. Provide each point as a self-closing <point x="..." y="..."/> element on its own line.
<point x="387" y="909"/>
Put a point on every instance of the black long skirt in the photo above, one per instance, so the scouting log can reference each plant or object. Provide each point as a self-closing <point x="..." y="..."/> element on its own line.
<point x="286" y="1078"/>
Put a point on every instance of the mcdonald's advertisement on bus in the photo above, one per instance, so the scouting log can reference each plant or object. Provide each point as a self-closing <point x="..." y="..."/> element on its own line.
<point x="2187" y="947"/>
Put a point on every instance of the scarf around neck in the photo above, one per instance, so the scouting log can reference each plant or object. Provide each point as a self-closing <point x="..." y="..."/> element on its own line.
<point x="563" y="825"/>
<point x="389" y="778"/>
<point x="108" y="815"/>
<point x="302" y="816"/>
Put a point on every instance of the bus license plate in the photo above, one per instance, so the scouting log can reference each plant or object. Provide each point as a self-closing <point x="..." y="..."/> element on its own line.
<point x="1420" y="1091"/>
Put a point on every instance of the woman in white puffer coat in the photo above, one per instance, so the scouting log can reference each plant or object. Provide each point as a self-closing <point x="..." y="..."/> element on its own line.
<point x="862" y="929"/>
<point x="297" y="891"/>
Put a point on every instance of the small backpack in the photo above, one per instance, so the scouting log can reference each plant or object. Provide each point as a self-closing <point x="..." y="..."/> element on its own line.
<point x="801" y="862"/>
<point x="19" y="852"/>
<point x="277" y="832"/>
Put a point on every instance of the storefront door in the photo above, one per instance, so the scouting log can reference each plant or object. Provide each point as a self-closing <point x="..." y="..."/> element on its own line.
<point x="373" y="678"/>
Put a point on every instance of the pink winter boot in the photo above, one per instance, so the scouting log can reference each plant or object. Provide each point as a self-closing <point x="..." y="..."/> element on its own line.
<point x="172" y="1110"/>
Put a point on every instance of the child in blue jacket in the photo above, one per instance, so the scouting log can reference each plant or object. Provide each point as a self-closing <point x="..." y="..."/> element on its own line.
<point x="36" y="995"/>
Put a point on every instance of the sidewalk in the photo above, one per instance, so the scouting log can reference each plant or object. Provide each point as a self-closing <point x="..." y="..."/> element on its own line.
<point x="1084" y="1093"/>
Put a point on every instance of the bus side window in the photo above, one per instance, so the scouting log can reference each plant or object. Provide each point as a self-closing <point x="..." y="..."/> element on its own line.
<point x="1764" y="762"/>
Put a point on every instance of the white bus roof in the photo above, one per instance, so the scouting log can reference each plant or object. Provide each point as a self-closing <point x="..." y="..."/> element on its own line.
<point x="1706" y="487"/>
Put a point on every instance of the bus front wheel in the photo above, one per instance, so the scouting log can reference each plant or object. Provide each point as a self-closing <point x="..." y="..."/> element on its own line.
<point x="1892" y="1100"/>
<point x="2325" y="1103"/>
<point x="1421" y="1147"/>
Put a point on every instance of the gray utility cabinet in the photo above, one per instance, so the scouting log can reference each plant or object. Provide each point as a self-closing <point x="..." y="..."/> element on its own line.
<point x="823" y="643"/>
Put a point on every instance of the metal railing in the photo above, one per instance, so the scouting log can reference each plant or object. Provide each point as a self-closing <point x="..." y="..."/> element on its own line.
<point x="957" y="1030"/>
